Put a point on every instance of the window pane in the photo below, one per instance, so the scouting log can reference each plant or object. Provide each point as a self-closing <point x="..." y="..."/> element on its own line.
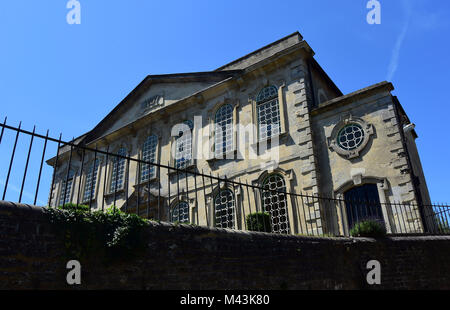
<point x="268" y="119"/>
<point x="66" y="191"/>
<point x="276" y="203"/>
<point x="224" y="209"/>
<point x="118" y="170"/>
<point x="180" y="213"/>
<point x="91" y="179"/>
<point x="350" y="137"/>
<point x="149" y="155"/>
<point x="224" y="130"/>
<point x="183" y="149"/>
<point x="268" y="111"/>
<point x="267" y="93"/>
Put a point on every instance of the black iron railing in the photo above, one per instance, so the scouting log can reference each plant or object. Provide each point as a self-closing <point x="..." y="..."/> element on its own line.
<point x="188" y="195"/>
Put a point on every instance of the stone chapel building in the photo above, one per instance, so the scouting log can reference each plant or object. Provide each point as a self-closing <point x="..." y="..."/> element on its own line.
<point x="331" y="145"/>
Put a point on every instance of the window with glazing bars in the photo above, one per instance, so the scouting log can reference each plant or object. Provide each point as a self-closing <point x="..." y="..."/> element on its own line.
<point x="91" y="180"/>
<point x="223" y="136"/>
<point x="149" y="155"/>
<point x="118" y="171"/>
<point x="180" y="212"/>
<point x="183" y="148"/>
<point x="275" y="203"/>
<point x="268" y="113"/>
<point x="224" y="209"/>
<point x="66" y="191"/>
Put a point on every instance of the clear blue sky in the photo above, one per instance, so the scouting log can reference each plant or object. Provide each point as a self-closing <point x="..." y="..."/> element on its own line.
<point x="66" y="78"/>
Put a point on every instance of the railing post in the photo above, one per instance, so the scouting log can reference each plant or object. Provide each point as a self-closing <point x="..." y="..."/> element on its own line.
<point x="11" y="162"/>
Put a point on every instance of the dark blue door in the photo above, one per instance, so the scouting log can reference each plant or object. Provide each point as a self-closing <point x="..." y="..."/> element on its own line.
<point x="362" y="203"/>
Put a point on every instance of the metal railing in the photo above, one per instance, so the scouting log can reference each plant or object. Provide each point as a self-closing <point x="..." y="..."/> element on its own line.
<point x="189" y="195"/>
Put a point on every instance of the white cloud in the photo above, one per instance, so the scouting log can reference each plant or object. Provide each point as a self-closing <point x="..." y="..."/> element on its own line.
<point x="395" y="58"/>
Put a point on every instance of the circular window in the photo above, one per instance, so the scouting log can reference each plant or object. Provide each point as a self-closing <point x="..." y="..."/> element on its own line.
<point x="350" y="137"/>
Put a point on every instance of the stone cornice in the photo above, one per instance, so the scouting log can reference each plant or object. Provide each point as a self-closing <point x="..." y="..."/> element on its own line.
<point x="352" y="97"/>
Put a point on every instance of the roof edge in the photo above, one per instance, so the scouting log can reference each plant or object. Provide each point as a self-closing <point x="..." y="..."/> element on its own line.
<point x="259" y="50"/>
<point x="387" y="86"/>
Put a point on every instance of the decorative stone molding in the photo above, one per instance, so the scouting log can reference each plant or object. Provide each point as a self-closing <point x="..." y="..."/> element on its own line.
<point x="152" y="103"/>
<point x="332" y="138"/>
<point x="359" y="178"/>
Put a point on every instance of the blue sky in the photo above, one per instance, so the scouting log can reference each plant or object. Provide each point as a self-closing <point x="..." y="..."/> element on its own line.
<point x="66" y="78"/>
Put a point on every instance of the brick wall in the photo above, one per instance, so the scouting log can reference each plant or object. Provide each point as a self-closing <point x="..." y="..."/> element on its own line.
<point x="184" y="257"/>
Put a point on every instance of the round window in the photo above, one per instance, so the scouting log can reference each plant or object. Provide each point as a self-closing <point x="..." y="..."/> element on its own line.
<point x="350" y="137"/>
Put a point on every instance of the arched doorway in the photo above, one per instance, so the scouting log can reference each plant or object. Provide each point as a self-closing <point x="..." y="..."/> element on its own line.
<point x="362" y="203"/>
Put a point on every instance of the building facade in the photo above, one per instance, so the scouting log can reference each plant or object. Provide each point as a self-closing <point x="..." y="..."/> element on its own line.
<point x="278" y="98"/>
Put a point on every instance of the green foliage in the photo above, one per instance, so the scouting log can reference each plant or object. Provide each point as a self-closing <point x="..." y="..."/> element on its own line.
<point x="74" y="207"/>
<point x="110" y="235"/>
<point x="368" y="228"/>
<point x="259" y="221"/>
<point x="443" y="226"/>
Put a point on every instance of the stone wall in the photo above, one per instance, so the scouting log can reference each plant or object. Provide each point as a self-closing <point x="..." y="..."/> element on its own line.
<point x="185" y="257"/>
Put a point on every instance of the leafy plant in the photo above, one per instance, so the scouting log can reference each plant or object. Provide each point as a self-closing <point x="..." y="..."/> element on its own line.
<point x="112" y="234"/>
<point x="259" y="221"/>
<point x="74" y="207"/>
<point x="443" y="226"/>
<point x="368" y="228"/>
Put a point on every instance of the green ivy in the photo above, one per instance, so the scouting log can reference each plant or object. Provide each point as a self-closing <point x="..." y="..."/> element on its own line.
<point x="110" y="235"/>
<point x="443" y="226"/>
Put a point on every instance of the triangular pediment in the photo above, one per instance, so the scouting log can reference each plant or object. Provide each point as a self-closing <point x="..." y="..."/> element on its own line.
<point x="155" y="92"/>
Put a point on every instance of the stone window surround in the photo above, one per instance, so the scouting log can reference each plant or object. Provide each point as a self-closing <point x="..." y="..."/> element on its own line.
<point x="182" y="198"/>
<point x="212" y="112"/>
<point x="172" y="144"/>
<point x="142" y="136"/>
<point x="346" y="120"/>
<point x="211" y="208"/>
<point x="84" y="177"/>
<point x="61" y="177"/>
<point x="358" y="179"/>
<point x="288" y="177"/>
<point x="281" y="86"/>
<point x="109" y="166"/>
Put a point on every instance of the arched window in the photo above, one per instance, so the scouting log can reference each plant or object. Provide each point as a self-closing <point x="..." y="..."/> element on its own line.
<point x="118" y="171"/>
<point x="149" y="155"/>
<point x="66" y="191"/>
<point x="91" y="180"/>
<point x="180" y="212"/>
<point x="350" y="137"/>
<point x="275" y="203"/>
<point x="268" y="113"/>
<point x="183" y="148"/>
<point x="223" y="136"/>
<point x="224" y="206"/>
